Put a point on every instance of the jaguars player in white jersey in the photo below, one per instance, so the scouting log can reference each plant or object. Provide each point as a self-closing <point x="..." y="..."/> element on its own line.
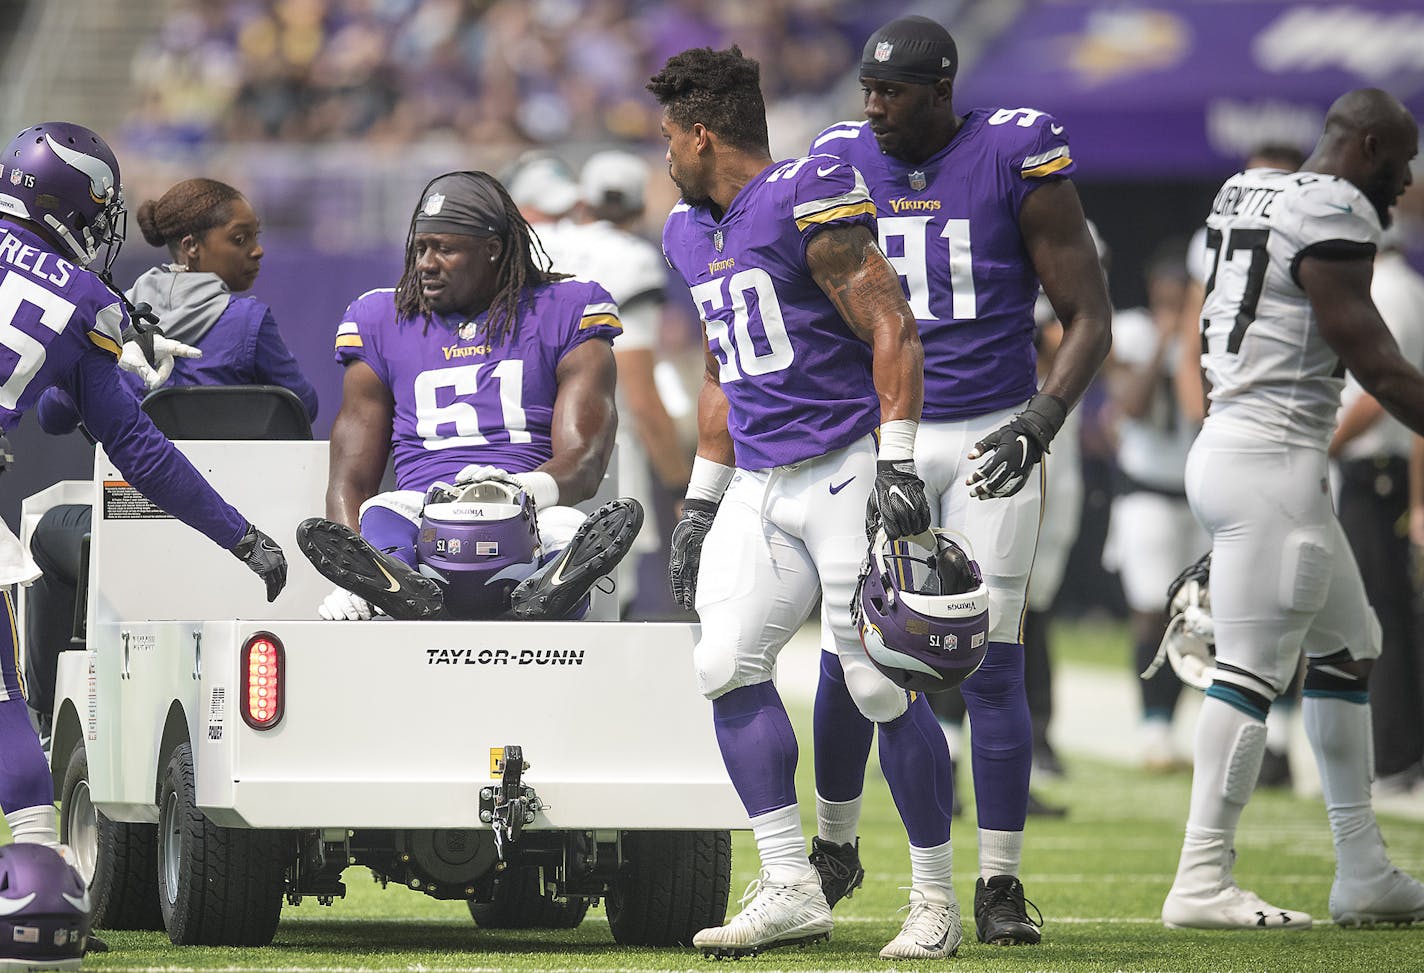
<point x="1287" y="311"/>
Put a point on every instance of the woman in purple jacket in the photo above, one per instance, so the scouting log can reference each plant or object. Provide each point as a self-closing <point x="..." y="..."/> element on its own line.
<point x="211" y="233"/>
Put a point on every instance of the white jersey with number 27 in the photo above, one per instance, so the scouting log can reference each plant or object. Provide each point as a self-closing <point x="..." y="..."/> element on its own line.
<point x="1272" y="375"/>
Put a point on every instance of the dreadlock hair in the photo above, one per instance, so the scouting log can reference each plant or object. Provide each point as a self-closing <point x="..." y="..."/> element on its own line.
<point x="718" y="89"/>
<point x="193" y="206"/>
<point x="523" y="265"/>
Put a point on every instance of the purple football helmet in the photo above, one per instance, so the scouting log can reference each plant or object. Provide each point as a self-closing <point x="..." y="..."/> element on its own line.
<point x="44" y="909"/>
<point x="479" y="540"/>
<point x="923" y="614"/>
<point x="65" y="178"/>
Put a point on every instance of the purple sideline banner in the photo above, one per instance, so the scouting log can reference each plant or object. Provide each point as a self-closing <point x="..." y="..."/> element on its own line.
<point x="1183" y="89"/>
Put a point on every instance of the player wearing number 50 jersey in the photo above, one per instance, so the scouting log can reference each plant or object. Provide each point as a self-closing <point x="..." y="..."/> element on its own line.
<point x="974" y="212"/>
<point x="811" y="353"/>
<point x="1287" y="311"/>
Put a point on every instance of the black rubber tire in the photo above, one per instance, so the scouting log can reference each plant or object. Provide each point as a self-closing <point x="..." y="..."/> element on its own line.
<point x="123" y="891"/>
<point x="217" y="886"/>
<point x="520" y="902"/>
<point x="673" y="884"/>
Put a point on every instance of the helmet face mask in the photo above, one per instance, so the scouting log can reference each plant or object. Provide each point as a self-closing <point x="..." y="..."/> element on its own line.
<point x="479" y="540"/>
<point x="65" y="178"/>
<point x="1189" y="642"/>
<point x="44" y="909"/>
<point x="922" y="612"/>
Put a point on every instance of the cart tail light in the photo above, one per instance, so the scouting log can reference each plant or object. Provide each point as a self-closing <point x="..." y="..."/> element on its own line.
<point x="264" y="674"/>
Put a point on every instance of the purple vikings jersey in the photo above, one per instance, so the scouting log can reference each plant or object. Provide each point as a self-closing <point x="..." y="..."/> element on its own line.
<point x="459" y="400"/>
<point x="950" y="228"/>
<point x="60" y="326"/>
<point x="797" y="379"/>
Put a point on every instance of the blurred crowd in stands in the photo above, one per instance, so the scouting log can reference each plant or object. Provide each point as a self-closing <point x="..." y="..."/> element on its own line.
<point x="536" y="71"/>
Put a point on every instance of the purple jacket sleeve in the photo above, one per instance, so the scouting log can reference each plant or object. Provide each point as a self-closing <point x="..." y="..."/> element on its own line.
<point x="276" y="366"/>
<point x="56" y="411"/>
<point x="146" y="458"/>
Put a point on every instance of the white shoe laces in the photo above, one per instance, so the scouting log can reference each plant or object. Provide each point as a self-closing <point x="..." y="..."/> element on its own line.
<point x="772" y="904"/>
<point x="927" y="922"/>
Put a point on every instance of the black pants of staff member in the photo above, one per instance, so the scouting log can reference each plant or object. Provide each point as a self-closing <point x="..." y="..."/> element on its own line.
<point x="1374" y="506"/>
<point x="49" y="602"/>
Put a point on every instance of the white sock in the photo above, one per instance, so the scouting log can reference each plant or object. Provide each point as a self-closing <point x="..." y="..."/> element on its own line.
<point x="1340" y="736"/>
<point x="1226" y="760"/>
<point x="1000" y="852"/>
<point x="1278" y="728"/>
<point x="932" y="868"/>
<point x="953" y="738"/>
<point x="38" y="825"/>
<point x="836" y="821"/>
<point x="782" y="846"/>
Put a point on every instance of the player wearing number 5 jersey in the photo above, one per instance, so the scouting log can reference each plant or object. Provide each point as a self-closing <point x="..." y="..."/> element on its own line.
<point x="481" y="364"/>
<point x="1287" y="311"/>
<point x="811" y="350"/>
<point x="974" y="212"/>
<point x="62" y="326"/>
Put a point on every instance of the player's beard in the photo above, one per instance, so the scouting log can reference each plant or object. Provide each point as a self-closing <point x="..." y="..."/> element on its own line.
<point x="692" y="195"/>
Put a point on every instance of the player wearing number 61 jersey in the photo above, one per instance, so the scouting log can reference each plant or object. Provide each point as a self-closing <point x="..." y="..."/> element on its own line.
<point x="811" y="349"/>
<point x="974" y="212"/>
<point x="1287" y="311"/>
<point x="480" y="364"/>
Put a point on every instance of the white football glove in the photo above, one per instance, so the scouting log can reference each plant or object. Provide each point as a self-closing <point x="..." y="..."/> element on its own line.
<point x="154" y="372"/>
<point x="342" y="606"/>
<point x="476" y="471"/>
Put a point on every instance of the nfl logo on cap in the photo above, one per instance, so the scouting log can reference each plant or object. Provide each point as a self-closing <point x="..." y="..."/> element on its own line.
<point x="882" y="50"/>
<point x="434" y="204"/>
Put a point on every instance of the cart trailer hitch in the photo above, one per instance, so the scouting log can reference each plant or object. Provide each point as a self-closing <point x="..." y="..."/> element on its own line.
<point x="511" y="805"/>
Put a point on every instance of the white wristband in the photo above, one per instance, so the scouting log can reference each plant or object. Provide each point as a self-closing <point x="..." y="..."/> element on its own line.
<point x="541" y="486"/>
<point x="897" y="439"/>
<point x="709" y="480"/>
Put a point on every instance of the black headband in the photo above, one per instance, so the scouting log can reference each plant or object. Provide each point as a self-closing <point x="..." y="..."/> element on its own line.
<point x="915" y="50"/>
<point x="462" y="202"/>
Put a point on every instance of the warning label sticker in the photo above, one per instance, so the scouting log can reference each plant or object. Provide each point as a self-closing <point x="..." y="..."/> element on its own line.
<point x="123" y="502"/>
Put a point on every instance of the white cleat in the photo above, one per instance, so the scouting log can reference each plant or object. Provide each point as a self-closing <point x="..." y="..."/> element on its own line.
<point x="931" y="931"/>
<point x="1229" y="907"/>
<point x="1394" y="897"/>
<point x="778" y="915"/>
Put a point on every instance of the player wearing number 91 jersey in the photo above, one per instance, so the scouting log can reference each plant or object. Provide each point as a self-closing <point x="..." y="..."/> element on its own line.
<point x="974" y="212"/>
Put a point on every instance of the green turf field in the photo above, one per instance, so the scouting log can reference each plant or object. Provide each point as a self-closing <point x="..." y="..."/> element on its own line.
<point x="1098" y="876"/>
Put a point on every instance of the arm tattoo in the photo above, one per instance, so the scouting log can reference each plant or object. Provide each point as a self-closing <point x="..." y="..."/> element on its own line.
<point x="849" y="268"/>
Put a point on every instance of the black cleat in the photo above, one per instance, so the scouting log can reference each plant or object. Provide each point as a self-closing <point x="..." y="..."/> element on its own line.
<point x="1039" y="808"/>
<point x="839" y="868"/>
<point x="1000" y="915"/>
<point x="344" y="558"/>
<point x="600" y="542"/>
<point x="95" y="945"/>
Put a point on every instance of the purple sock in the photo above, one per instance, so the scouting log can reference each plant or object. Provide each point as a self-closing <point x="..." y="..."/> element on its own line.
<point x="915" y="760"/>
<point x="24" y="775"/>
<point x="1001" y="737"/>
<point x="388" y="531"/>
<point x="842" y="736"/>
<point x="758" y="746"/>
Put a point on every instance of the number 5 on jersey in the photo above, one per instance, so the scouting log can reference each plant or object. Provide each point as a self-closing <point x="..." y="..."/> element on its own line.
<point x="755" y="343"/>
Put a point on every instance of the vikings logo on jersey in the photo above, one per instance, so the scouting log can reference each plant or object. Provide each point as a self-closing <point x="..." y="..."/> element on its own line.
<point x="797" y="380"/>
<point x="460" y="399"/>
<point x="949" y="227"/>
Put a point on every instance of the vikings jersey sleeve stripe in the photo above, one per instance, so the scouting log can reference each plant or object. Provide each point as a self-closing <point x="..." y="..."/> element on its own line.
<point x="866" y="208"/>
<point x="601" y="312"/>
<point x="1046" y="163"/>
<point x="845" y="130"/>
<point x="105" y="342"/>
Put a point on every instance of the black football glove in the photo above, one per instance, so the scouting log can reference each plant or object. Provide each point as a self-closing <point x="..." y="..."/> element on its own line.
<point x="1014" y="449"/>
<point x="898" y="501"/>
<point x="261" y="553"/>
<point x="686" y="549"/>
